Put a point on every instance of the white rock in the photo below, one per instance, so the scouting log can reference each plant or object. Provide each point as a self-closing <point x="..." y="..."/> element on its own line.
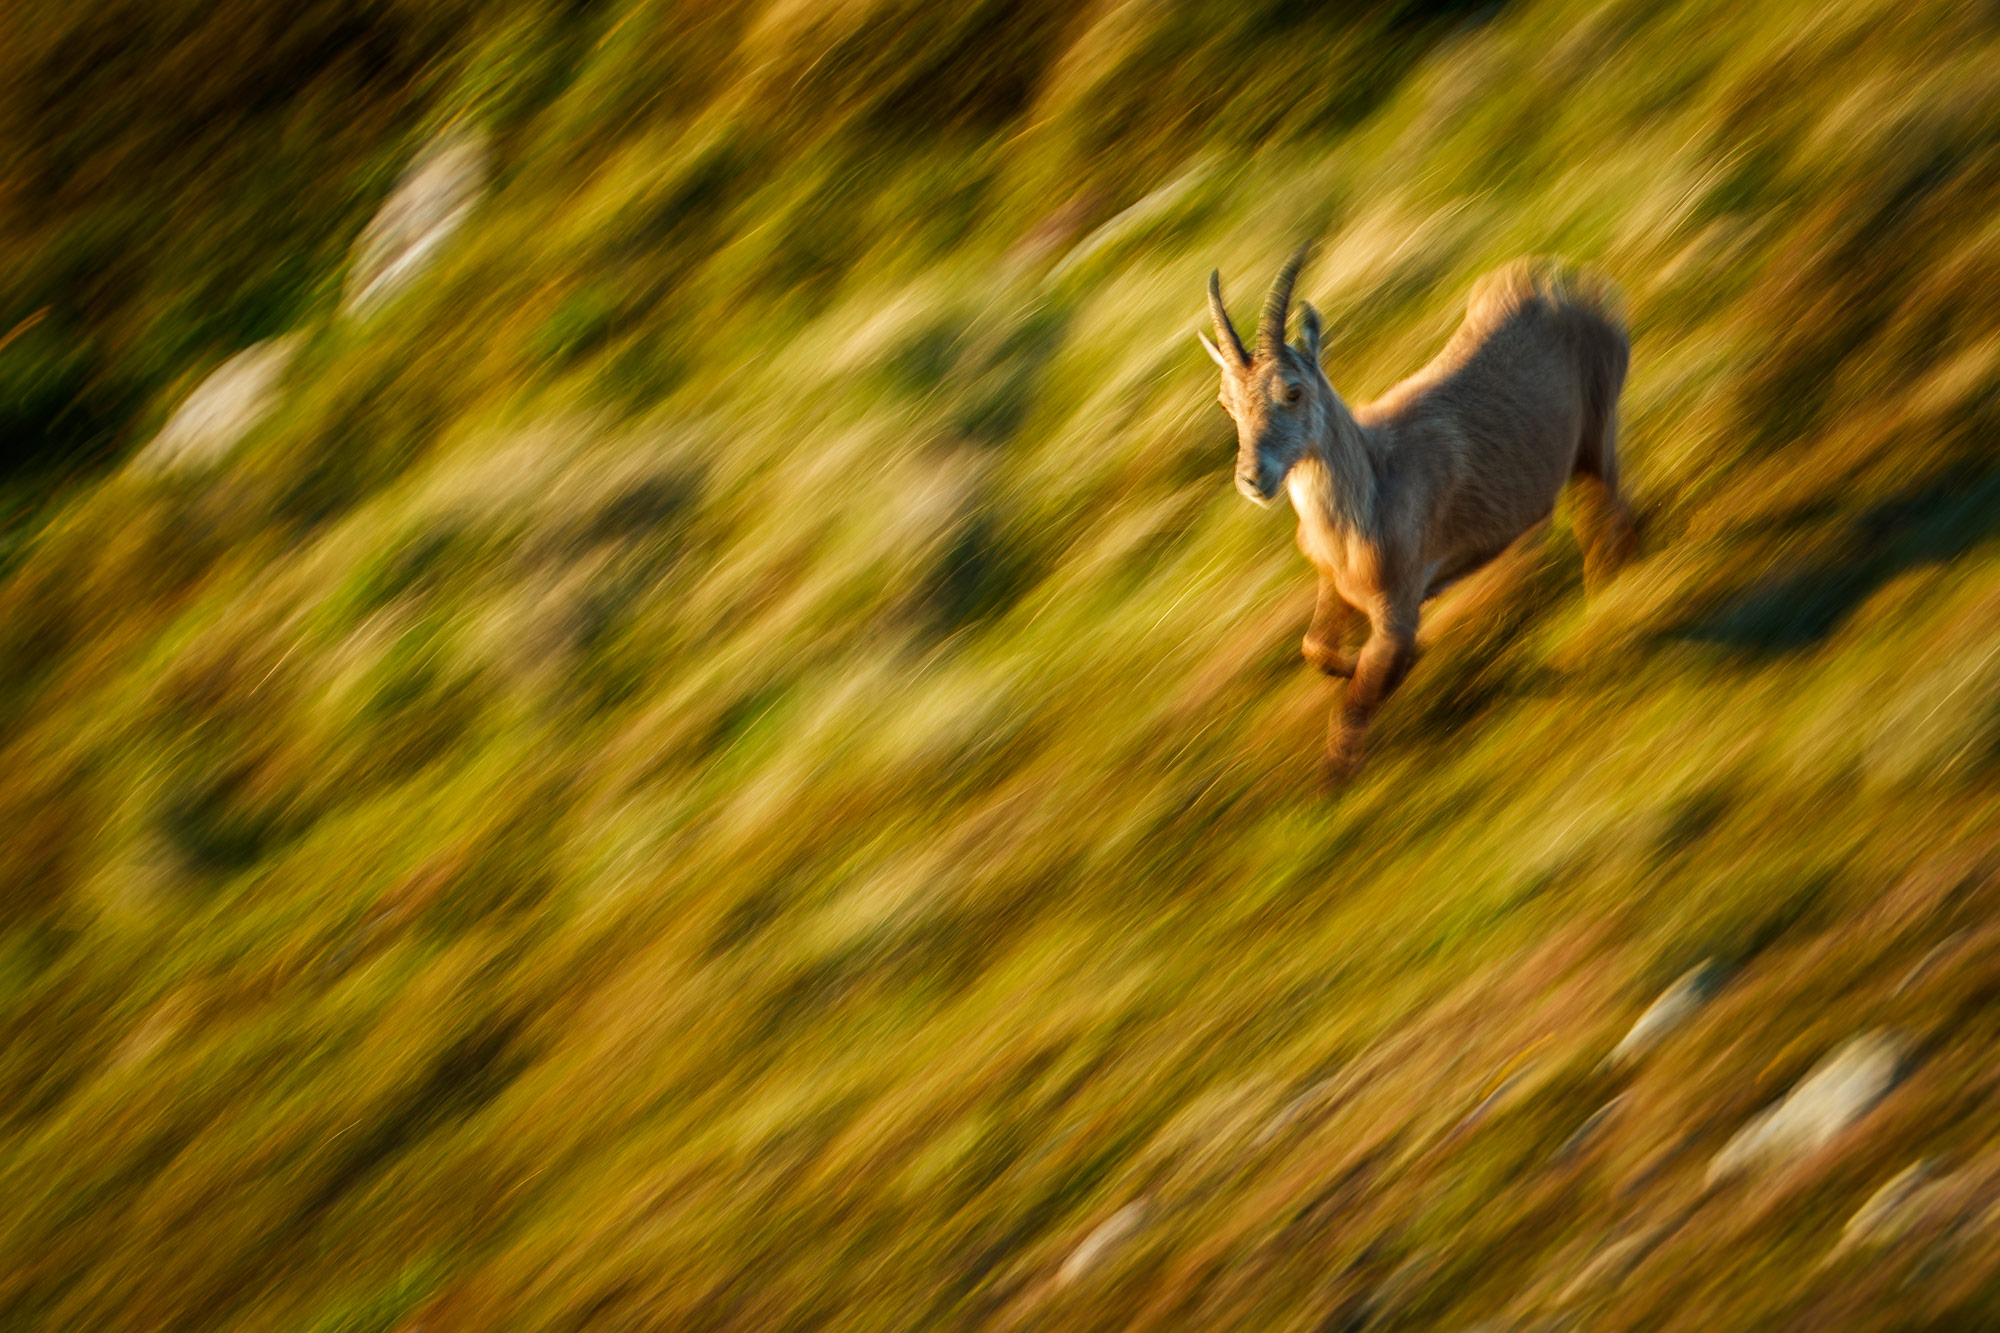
<point x="1838" y="1091"/>
<point x="224" y="408"/>
<point x="1587" y="1132"/>
<point x="1921" y="1203"/>
<point x="1611" y="1264"/>
<point x="428" y="204"/>
<point x="1887" y="1211"/>
<point x="1675" y="1006"/>
<point x="1153" y="207"/>
<point x="1102" y="1242"/>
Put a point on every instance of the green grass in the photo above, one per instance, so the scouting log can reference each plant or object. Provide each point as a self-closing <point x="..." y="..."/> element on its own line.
<point x="731" y="760"/>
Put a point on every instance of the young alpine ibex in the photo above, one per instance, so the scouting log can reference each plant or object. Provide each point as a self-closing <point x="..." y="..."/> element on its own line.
<point x="1399" y="497"/>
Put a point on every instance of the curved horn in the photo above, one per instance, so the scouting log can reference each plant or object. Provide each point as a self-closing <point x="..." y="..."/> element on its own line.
<point x="1271" y="328"/>
<point x="1225" y="332"/>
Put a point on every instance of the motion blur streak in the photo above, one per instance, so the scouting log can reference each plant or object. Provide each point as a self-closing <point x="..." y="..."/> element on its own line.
<point x="634" y="694"/>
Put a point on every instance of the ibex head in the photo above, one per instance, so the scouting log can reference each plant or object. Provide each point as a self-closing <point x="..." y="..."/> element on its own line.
<point x="1278" y="396"/>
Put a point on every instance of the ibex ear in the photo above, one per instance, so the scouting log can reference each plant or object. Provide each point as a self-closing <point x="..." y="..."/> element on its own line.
<point x="1214" y="352"/>
<point x="1309" y="332"/>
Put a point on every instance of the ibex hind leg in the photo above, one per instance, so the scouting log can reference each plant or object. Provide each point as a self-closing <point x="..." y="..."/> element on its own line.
<point x="1604" y="526"/>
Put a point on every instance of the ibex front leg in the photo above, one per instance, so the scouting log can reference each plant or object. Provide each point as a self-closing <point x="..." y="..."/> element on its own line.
<point x="1385" y="659"/>
<point x="1333" y="620"/>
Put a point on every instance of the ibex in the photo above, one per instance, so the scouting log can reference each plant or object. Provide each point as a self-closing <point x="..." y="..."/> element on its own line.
<point x="1399" y="497"/>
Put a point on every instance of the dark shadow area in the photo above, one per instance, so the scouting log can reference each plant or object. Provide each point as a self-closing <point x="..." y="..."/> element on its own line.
<point x="1937" y="521"/>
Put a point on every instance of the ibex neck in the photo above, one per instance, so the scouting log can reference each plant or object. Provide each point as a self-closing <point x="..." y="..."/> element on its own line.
<point x="1335" y="483"/>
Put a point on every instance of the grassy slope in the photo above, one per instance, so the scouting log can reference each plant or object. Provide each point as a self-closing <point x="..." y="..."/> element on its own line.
<point x="704" y="775"/>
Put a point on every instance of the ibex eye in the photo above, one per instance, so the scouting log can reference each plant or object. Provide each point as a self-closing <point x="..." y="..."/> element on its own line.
<point x="1291" y="393"/>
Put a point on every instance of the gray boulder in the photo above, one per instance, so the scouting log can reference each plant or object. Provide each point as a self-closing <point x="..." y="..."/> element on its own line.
<point x="1676" y="1005"/>
<point x="429" y="203"/>
<point x="223" y="409"/>
<point x="1104" y="1240"/>
<point x="1922" y="1205"/>
<point x="1839" y="1090"/>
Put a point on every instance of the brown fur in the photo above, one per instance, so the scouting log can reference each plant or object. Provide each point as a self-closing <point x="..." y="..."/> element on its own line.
<point x="1402" y="496"/>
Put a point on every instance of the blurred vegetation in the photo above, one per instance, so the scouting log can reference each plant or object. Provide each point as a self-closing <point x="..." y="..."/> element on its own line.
<point x="731" y="760"/>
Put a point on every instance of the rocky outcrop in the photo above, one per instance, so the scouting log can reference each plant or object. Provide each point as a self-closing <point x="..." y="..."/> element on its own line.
<point x="429" y="203"/>
<point x="224" y="408"/>
<point x="1839" y="1090"/>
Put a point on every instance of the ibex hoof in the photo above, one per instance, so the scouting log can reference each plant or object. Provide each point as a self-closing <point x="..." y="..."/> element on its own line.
<point x="1337" y="768"/>
<point x="1327" y="659"/>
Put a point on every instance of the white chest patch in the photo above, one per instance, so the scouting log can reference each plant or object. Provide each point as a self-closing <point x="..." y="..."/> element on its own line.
<point x="1319" y="540"/>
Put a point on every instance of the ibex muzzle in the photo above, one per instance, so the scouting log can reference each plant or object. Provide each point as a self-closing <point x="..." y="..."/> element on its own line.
<point x="1401" y="496"/>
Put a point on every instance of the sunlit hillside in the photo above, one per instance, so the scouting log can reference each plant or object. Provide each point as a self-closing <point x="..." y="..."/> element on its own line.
<point x="720" y="753"/>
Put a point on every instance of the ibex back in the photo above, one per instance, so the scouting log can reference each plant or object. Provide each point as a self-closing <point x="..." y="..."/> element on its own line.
<point x="1399" y="497"/>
